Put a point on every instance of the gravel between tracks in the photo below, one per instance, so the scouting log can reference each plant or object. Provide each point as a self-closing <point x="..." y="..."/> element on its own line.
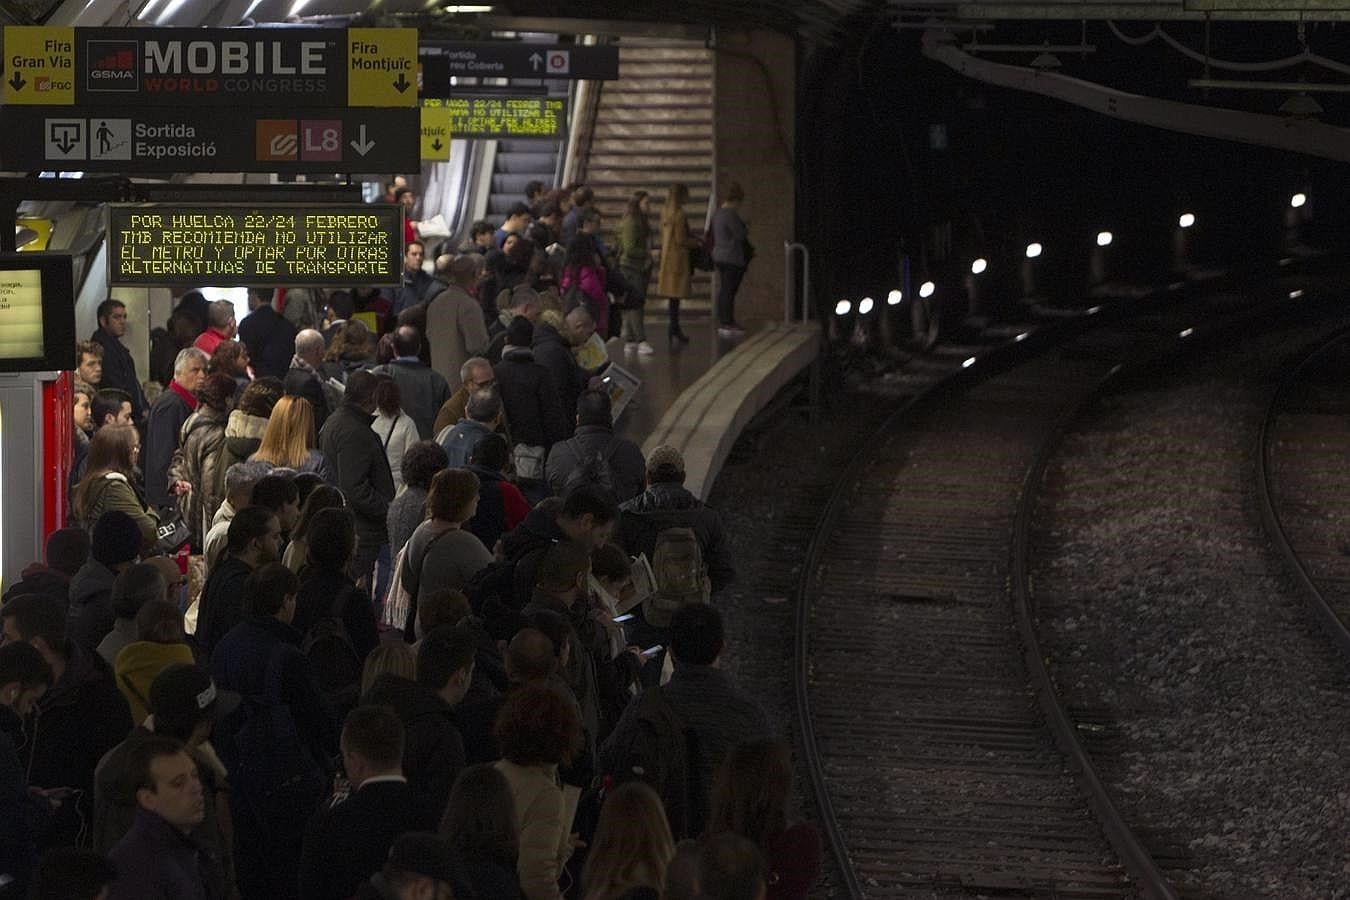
<point x="769" y="495"/>
<point x="1160" y="600"/>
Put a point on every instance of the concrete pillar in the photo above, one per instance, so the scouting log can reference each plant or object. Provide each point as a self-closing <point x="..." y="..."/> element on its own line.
<point x="754" y="143"/>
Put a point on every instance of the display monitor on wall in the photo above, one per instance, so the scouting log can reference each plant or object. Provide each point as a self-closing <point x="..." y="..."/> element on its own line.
<point x="37" y="313"/>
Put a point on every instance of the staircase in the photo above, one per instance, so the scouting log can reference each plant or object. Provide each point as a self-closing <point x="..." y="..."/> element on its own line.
<point x="653" y="128"/>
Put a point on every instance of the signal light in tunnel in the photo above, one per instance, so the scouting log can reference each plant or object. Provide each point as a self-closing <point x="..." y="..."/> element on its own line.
<point x="1033" y="250"/>
<point x="1186" y="220"/>
<point x="894" y="298"/>
<point x="865" y="305"/>
<point x="926" y="289"/>
<point x="978" y="266"/>
<point x="1104" y="238"/>
<point x="843" y="308"/>
<point x="1298" y="200"/>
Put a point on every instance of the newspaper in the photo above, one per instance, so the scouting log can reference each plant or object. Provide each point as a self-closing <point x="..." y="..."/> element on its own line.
<point x="644" y="584"/>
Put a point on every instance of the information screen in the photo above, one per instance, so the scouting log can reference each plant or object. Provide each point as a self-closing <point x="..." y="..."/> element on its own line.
<point x="264" y="245"/>
<point x="505" y="117"/>
<point x="37" y="313"/>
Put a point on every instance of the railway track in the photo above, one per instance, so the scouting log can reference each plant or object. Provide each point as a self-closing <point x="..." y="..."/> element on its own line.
<point x="930" y="743"/>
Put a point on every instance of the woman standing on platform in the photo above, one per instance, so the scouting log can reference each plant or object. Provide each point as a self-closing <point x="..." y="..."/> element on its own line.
<point x="289" y="440"/>
<point x="109" y="482"/>
<point x="676" y="270"/>
<point x="731" y="255"/>
<point x="635" y="264"/>
<point x="198" y="456"/>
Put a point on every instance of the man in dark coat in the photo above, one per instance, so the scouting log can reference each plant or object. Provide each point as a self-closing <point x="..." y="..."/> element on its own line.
<point x="158" y="857"/>
<point x="354" y="449"/>
<point x="348" y="842"/>
<point x="624" y="468"/>
<point x="170" y="411"/>
<point x="253" y="540"/>
<point x="422" y="390"/>
<point x="303" y="378"/>
<point x="119" y="369"/>
<point x="82" y="717"/>
<point x="586" y="516"/>
<point x="553" y="351"/>
<point x="434" y="750"/>
<point x="24" y="676"/>
<point x="115" y="548"/>
<point x="270" y="339"/>
<point x="67" y="552"/>
<point x="529" y="394"/>
<point x="417" y="286"/>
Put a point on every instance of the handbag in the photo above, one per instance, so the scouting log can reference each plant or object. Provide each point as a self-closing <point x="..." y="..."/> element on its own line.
<point x="172" y="535"/>
<point x="700" y="259"/>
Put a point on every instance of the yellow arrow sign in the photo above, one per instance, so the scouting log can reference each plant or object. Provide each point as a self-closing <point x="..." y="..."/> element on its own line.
<point x="435" y="133"/>
<point x="381" y="66"/>
<point x="39" y="65"/>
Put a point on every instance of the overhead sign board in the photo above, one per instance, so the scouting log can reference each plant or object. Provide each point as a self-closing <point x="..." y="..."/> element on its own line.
<point x="126" y="67"/>
<point x="505" y="59"/>
<point x="181" y="139"/>
<point x="435" y="133"/>
<point x="37" y="313"/>
<point x="266" y="245"/>
<point x="504" y="117"/>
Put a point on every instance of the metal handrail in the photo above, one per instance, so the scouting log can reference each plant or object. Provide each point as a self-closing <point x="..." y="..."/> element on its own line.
<point x="790" y="280"/>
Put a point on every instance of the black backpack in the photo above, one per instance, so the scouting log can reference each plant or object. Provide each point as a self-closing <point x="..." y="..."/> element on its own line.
<point x="593" y="469"/>
<point x="661" y="755"/>
<point x="332" y="656"/>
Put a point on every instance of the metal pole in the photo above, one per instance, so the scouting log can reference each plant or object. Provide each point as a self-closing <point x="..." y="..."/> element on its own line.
<point x="790" y="281"/>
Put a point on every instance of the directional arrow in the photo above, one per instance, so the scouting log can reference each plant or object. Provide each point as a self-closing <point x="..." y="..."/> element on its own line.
<point x="536" y="61"/>
<point x="17" y="81"/>
<point x="402" y="84"/>
<point x="363" y="146"/>
<point x="436" y="144"/>
<point x="66" y="142"/>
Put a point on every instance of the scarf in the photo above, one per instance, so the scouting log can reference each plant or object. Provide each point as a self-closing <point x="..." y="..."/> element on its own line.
<point x="188" y="397"/>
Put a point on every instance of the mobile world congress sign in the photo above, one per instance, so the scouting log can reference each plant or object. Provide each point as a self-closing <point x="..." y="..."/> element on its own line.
<point x="128" y="67"/>
<point x="263" y="245"/>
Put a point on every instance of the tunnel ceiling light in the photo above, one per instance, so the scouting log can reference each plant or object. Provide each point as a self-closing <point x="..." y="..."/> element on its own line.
<point x="865" y="305"/>
<point x="843" y="308"/>
<point x="970" y="361"/>
<point x="926" y="289"/>
<point x="1033" y="250"/>
<point x="1295" y="294"/>
<point x="1298" y="200"/>
<point x="1186" y="220"/>
<point x="978" y="266"/>
<point x="1104" y="238"/>
<point x="894" y="298"/>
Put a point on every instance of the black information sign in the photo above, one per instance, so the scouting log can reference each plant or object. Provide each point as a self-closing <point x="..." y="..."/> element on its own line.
<point x="264" y="244"/>
<point x="512" y="60"/>
<point x="505" y="117"/>
<point x="183" y="139"/>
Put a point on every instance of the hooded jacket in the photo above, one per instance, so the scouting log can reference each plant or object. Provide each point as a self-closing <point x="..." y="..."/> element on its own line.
<point x="243" y="436"/>
<point x="433" y="750"/>
<point x="137" y="666"/>
<point x="42" y="579"/>
<point x="531" y="399"/>
<point x="553" y="352"/>
<point x="89" y="616"/>
<point x="623" y="458"/>
<point x="668" y="505"/>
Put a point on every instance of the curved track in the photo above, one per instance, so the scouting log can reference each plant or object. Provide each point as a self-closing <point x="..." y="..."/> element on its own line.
<point x="925" y="733"/>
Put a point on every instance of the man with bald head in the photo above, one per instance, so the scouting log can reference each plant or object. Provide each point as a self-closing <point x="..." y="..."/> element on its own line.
<point x="455" y="327"/>
<point x="303" y="378"/>
<point x="422" y="390"/>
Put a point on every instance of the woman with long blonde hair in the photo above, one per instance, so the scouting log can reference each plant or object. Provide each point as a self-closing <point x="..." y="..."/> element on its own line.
<point x="632" y="847"/>
<point x="289" y="440"/>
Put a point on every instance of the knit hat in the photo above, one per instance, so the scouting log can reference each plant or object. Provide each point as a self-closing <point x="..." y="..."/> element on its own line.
<point x="520" y="333"/>
<point x="425" y="854"/>
<point x="665" y="460"/>
<point x="68" y="549"/>
<point x="117" y="539"/>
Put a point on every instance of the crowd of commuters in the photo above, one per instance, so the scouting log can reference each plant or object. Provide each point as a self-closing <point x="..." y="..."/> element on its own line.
<point x="364" y="621"/>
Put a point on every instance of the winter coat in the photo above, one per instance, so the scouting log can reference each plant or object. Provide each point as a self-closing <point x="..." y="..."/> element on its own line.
<point x="590" y="282"/>
<point x="673" y="277"/>
<point x="243" y="437"/>
<point x="114" y="492"/>
<point x="456" y="332"/>
<point x="730" y="237"/>
<point x="523" y="547"/>
<point x="79" y="719"/>
<point x="167" y="416"/>
<point x="531" y="399"/>
<point x="347" y="843"/>
<point x="553" y="352"/>
<point x="623" y="458"/>
<point x="222" y="602"/>
<point x="119" y="371"/>
<point x="459" y="440"/>
<point x="138" y="665"/>
<point x="156" y="861"/>
<point x="304" y="383"/>
<point x="421" y="390"/>
<point x="501" y="507"/>
<point x="433" y="751"/>
<point x="39" y="578"/>
<point x="545" y="832"/>
<point x="396" y="434"/>
<point x="270" y="340"/>
<point x="362" y="469"/>
<point x="668" y="505"/>
<point x="20" y="814"/>
<point x="89" y="616"/>
<point x="633" y="244"/>
<point x="318" y="464"/>
<point x="196" y="461"/>
<point x="320" y="590"/>
<point x="453" y="410"/>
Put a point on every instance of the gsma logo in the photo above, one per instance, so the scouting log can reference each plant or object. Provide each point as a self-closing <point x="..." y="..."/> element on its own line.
<point x="112" y="66"/>
<point x="277" y="140"/>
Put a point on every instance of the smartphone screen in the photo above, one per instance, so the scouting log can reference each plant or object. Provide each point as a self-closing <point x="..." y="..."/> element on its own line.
<point x="623" y="618"/>
<point x="652" y="651"/>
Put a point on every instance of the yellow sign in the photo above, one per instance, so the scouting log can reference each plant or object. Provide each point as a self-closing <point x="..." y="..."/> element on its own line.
<point x="39" y="65"/>
<point x="435" y="133"/>
<point x="381" y="66"/>
<point x="32" y="235"/>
